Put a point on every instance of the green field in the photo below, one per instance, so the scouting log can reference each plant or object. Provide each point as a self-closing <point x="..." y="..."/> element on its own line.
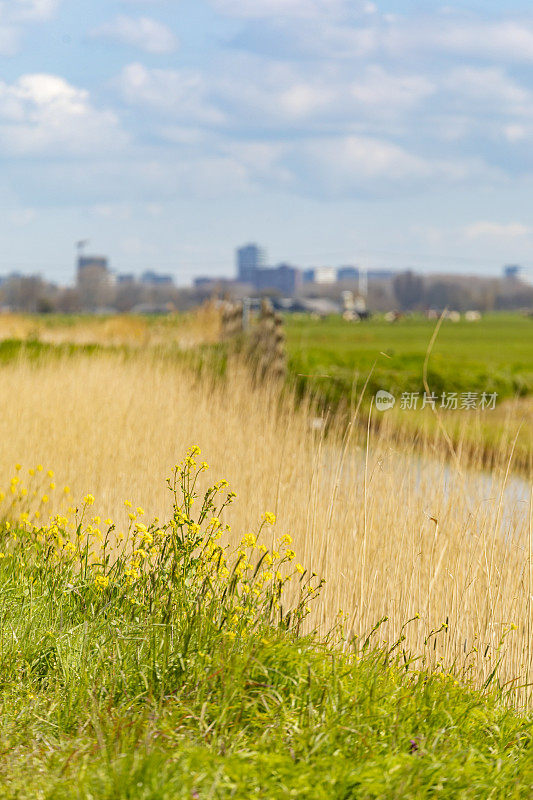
<point x="335" y="357"/>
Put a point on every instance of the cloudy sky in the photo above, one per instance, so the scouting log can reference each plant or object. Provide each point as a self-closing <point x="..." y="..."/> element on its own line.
<point x="167" y="132"/>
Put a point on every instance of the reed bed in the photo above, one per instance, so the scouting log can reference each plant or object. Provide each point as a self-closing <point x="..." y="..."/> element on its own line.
<point x="431" y="557"/>
<point x="117" y="330"/>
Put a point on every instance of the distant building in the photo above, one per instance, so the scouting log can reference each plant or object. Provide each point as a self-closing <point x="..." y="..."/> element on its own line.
<point x="308" y="276"/>
<point x="380" y="274"/>
<point x="250" y="258"/>
<point x="347" y="274"/>
<point x="284" y="279"/>
<point x="94" y="263"/>
<point x="325" y="275"/>
<point x="94" y="281"/>
<point x="125" y="277"/>
<point x="202" y="282"/>
<point x="511" y="271"/>
<point x="156" y="279"/>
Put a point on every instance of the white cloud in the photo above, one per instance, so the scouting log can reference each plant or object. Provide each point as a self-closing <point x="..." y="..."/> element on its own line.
<point x="496" y="230"/>
<point x="357" y="163"/>
<point x="9" y="40"/>
<point x="43" y="114"/>
<point x="375" y="167"/>
<point x="260" y="9"/>
<point x="182" y="94"/>
<point x="147" y="34"/>
<point x="22" y="217"/>
<point x="510" y="40"/>
<point x="28" y="10"/>
<point x="504" y="40"/>
<point x="333" y="96"/>
<point x="489" y="85"/>
<point x="515" y="133"/>
<point x="14" y="14"/>
<point x="239" y="92"/>
<point x="333" y="30"/>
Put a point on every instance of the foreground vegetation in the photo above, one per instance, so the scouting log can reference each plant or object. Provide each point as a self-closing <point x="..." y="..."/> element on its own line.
<point x="165" y="662"/>
<point x="159" y="648"/>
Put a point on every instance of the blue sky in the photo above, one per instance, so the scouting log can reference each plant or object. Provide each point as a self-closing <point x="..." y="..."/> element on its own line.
<point x="331" y="131"/>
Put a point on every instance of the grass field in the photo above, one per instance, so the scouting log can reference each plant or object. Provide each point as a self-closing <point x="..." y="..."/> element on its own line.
<point x="149" y="667"/>
<point x="334" y="359"/>
<point x="493" y="355"/>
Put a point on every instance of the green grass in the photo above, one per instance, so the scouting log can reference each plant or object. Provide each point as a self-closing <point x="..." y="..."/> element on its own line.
<point x="177" y="681"/>
<point x="494" y="355"/>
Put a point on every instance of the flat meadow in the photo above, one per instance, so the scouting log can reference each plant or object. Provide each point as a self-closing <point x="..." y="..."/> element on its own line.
<point x="300" y="609"/>
<point x="335" y="359"/>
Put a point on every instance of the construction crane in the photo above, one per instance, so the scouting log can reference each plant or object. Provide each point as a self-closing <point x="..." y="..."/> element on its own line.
<point x="81" y="245"/>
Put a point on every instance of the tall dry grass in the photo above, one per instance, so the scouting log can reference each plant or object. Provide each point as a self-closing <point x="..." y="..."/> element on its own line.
<point x="130" y="330"/>
<point x="396" y="533"/>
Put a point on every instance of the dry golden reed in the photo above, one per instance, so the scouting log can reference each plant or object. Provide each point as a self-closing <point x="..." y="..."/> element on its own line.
<point x="185" y="330"/>
<point x="396" y="533"/>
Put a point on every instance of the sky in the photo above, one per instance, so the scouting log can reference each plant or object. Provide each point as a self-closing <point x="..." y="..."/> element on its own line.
<point x="167" y="132"/>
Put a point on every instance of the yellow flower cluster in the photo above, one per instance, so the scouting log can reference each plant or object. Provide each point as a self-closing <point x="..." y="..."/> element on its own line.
<point x="190" y="556"/>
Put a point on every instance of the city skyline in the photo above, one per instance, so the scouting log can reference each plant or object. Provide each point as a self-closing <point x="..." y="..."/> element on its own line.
<point x="150" y="272"/>
<point x="393" y="134"/>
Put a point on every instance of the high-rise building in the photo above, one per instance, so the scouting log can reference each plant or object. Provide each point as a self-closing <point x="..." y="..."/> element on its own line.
<point x="250" y="258"/>
<point x="284" y="279"/>
<point x="347" y="273"/>
<point x="156" y="279"/>
<point x="94" y="281"/>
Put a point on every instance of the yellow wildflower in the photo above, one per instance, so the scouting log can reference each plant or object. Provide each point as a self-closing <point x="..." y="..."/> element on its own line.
<point x="140" y="511"/>
<point x="88" y="499"/>
<point x="269" y="518"/>
<point x="101" y="581"/>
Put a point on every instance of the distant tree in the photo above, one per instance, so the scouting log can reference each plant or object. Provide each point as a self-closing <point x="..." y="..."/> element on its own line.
<point x="409" y="290"/>
<point x="442" y="294"/>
